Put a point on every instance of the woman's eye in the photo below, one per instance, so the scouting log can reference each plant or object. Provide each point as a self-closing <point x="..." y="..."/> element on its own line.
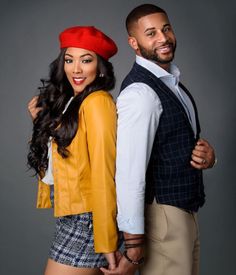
<point x="86" y="61"/>
<point x="68" y="61"/>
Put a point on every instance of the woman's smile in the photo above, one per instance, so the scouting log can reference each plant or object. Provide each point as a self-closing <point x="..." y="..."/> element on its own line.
<point x="80" y="68"/>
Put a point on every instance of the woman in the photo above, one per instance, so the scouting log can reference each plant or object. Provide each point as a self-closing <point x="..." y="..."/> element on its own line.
<point x="73" y="152"/>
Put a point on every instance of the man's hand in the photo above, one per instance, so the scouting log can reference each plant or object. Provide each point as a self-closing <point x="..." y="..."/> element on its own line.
<point x="32" y="107"/>
<point x="124" y="268"/>
<point x="203" y="155"/>
<point x="134" y="246"/>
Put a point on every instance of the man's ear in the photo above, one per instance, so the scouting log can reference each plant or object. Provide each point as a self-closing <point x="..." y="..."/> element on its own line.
<point x="133" y="42"/>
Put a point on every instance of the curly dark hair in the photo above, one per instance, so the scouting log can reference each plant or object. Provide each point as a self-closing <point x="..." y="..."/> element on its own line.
<point x="50" y="122"/>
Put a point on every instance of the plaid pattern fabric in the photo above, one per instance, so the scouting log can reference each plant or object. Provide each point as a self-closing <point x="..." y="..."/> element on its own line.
<point x="73" y="242"/>
<point x="170" y="177"/>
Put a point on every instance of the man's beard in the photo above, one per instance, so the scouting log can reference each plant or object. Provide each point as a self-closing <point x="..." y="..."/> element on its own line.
<point x="153" y="56"/>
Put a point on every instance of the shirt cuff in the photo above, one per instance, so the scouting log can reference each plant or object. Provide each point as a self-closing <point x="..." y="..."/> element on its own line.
<point x="131" y="225"/>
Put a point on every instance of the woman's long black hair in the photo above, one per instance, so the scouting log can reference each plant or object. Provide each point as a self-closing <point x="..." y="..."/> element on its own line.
<point x="50" y="122"/>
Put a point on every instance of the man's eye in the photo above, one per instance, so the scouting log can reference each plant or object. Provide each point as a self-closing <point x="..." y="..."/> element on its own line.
<point x="166" y="29"/>
<point x="150" y="34"/>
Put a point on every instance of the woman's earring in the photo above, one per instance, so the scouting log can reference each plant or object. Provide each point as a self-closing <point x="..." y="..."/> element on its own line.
<point x="101" y="75"/>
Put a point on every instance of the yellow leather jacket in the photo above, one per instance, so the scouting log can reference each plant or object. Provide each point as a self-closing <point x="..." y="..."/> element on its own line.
<point x="84" y="182"/>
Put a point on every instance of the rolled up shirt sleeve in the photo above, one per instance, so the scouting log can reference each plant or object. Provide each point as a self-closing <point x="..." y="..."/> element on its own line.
<point x="139" y="110"/>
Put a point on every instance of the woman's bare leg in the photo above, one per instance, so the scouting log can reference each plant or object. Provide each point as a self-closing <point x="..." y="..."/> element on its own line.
<point x="54" y="268"/>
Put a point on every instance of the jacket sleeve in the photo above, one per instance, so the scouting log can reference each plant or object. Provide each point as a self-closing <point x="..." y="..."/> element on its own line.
<point x="100" y="119"/>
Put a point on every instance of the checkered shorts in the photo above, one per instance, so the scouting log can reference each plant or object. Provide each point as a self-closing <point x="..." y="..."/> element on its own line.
<point x="73" y="242"/>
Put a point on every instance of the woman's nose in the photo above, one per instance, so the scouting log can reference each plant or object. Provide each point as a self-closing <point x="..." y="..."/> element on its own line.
<point x="77" y="68"/>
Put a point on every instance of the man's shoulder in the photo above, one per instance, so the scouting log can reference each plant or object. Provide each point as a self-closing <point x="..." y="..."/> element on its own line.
<point x="138" y="96"/>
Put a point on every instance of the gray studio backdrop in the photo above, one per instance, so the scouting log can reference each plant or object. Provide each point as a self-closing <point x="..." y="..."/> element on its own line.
<point x="206" y="56"/>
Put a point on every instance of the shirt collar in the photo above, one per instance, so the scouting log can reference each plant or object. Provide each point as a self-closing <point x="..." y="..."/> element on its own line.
<point x="157" y="70"/>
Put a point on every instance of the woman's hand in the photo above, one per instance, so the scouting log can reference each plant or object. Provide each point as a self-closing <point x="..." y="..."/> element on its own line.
<point x="123" y="266"/>
<point x="32" y="107"/>
<point x="113" y="259"/>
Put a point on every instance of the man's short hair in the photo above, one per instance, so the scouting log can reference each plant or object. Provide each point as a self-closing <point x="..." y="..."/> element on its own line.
<point x="139" y="12"/>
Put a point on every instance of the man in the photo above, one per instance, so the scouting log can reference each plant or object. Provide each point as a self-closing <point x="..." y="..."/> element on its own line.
<point x="160" y="155"/>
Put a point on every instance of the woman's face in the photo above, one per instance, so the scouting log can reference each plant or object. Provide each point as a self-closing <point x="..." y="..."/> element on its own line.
<point x="80" y="67"/>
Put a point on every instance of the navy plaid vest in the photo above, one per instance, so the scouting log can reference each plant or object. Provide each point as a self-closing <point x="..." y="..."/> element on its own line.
<point x="170" y="178"/>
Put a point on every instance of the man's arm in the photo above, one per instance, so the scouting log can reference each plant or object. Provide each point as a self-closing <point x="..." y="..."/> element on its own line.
<point x="139" y="110"/>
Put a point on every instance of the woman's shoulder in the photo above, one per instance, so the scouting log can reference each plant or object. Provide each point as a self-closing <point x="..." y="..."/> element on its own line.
<point x="99" y="110"/>
<point x="98" y="97"/>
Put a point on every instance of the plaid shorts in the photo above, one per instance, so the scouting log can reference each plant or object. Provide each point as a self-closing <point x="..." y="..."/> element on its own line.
<point x="73" y="242"/>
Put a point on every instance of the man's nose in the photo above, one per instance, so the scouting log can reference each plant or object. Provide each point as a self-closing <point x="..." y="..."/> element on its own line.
<point x="161" y="37"/>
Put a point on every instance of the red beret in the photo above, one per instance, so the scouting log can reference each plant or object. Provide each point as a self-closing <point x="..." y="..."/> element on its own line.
<point x="89" y="38"/>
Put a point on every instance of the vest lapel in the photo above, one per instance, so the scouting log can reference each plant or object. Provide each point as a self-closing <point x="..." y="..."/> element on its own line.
<point x="156" y="82"/>
<point x="195" y="108"/>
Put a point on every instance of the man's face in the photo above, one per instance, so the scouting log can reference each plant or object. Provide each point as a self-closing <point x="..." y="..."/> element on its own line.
<point x="154" y="39"/>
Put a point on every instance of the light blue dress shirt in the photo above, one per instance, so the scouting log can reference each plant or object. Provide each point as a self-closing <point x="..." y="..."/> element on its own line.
<point x="139" y="110"/>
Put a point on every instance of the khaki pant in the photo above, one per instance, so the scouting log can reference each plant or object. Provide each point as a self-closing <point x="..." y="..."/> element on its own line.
<point x="172" y="241"/>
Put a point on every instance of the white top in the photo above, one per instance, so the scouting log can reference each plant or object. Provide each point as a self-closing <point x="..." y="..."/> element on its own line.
<point x="48" y="177"/>
<point x="139" y="110"/>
